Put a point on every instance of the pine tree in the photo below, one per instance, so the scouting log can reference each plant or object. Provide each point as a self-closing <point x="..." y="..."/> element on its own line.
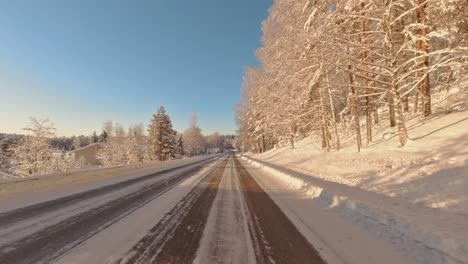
<point x="94" y="138"/>
<point x="179" y="149"/>
<point x="103" y="137"/>
<point x="161" y="137"/>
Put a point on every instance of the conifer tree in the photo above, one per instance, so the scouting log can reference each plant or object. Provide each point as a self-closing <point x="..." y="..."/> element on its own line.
<point x="103" y="137"/>
<point x="94" y="138"/>
<point x="161" y="137"/>
<point x="180" y="145"/>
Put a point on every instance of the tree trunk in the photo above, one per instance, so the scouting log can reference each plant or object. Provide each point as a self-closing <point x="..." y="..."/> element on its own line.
<point x="325" y="131"/>
<point x="391" y="108"/>
<point x="405" y="103"/>
<point x="376" y="112"/>
<point x="424" y="46"/>
<point x="355" y="110"/>
<point x="401" y="126"/>
<point x="354" y="102"/>
<point x="449" y="80"/>
<point x="416" y="101"/>
<point x="366" y="83"/>
<point x="355" y="113"/>
<point x="332" y="107"/>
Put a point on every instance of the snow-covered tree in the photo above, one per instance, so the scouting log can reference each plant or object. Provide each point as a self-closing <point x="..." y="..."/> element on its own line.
<point x="103" y="137"/>
<point x="161" y="143"/>
<point x="194" y="141"/>
<point x="112" y="154"/>
<point x="215" y="141"/>
<point x="132" y="146"/>
<point x="328" y="67"/>
<point x="119" y="134"/>
<point x="108" y="128"/>
<point x="93" y="138"/>
<point x="179" y="145"/>
<point x="76" y="142"/>
<point x="33" y="156"/>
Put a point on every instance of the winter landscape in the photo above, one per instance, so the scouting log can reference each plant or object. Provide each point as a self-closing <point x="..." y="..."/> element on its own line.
<point x="305" y="131"/>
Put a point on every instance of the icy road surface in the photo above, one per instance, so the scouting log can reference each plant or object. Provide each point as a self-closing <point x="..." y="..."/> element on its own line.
<point x="210" y="211"/>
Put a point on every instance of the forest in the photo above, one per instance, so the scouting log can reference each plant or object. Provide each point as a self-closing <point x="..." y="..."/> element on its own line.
<point x="334" y="69"/>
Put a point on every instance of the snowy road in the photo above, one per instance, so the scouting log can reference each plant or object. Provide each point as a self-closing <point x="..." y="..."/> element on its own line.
<point x="210" y="211"/>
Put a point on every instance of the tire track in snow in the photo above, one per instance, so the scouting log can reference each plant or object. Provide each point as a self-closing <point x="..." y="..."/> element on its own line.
<point x="278" y="240"/>
<point x="53" y="241"/>
<point x="226" y="238"/>
<point x="175" y="239"/>
<point x="22" y="214"/>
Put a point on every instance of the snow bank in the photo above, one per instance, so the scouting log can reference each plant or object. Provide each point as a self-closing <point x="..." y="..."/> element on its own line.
<point x="422" y="232"/>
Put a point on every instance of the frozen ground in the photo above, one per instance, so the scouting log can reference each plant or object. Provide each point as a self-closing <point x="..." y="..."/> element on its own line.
<point x="412" y="197"/>
<point x="68" y="183"/>
<point x="431" y="170"/>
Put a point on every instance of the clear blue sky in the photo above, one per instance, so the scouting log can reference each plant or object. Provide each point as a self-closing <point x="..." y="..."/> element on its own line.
<point x="80" y="62"/>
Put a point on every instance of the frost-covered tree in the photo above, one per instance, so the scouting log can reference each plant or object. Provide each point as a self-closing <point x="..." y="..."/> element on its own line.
<point x="103" y="137"/>
<point x="108" y="128"/>
<point x="66" y="161"/>
<point x="119" y="134"/>
<point x="138" y="130"/>
<point x="132" y="146"/>
<point x="33" y="156"/>
<point x="161" y="143"/>
<point x="215" y="141"/>
<point x="93" y="138"/>
<point x="330" y="68"/>
<point x="179" y="145"/>
<point x="194" y="141"/>
<point x="112" y="154"/>
<point x="76" y="142"/>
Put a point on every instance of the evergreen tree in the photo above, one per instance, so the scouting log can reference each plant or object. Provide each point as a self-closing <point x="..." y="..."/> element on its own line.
<point x="179" y="149"/>
<point x="94" y="138"/>
<point x="103" y="137"/>
<point x="161" y="137"/>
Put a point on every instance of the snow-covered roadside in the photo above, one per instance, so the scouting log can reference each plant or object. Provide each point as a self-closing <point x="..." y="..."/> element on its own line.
<point x="22" y="187"/>
<point x="420" y="232"/>
<point x="24" y="227"/>
<point x="35" y="196"/>
<point x="226" y="237"/>
<point x="430" y="170"/>
<point x="116" y="240"/>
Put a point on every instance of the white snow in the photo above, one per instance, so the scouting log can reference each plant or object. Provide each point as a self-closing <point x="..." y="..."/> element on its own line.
<point x="226" y="237"/>
<point x="336" y="239"/>
<point x="413" y="198"/>
<point x="35" y="197"/>
<point x="116" y="240"/>
<point x="431" y="170"/>
<point x="25" y="227"/>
